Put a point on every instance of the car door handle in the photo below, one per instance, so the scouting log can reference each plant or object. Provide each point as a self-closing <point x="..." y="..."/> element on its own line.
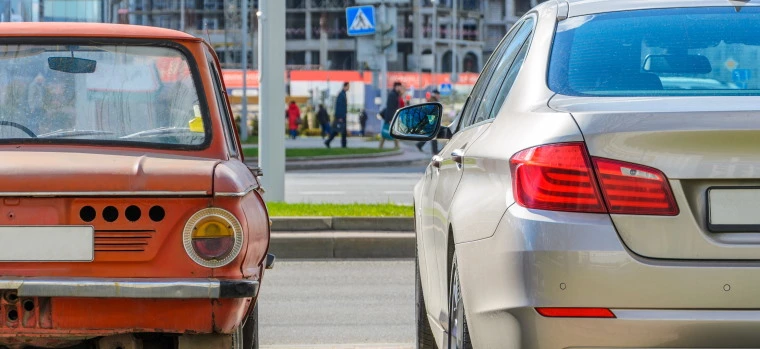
<point x="458" y="156"/>
<point x="436" y="161"/>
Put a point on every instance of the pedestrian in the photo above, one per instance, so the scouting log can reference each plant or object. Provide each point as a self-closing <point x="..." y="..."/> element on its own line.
<point x="363" y="121"/>
<point x="294" y="119"/>
<point x="324" y="120"/>
<point x="339" y="124"/>
<point x="435" y="96"/>
<point x="394" y="102"/>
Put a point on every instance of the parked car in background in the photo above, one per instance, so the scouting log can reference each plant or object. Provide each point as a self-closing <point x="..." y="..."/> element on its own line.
<point x="127" y="216"/>
<point x="580" y="202"/>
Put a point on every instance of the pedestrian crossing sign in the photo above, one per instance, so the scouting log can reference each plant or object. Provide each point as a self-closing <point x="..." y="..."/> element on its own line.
<point x="360" y="20"/>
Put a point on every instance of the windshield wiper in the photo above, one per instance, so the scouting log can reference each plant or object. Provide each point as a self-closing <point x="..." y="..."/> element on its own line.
<point x="159" y="131"/>
<point x="73" y="133"/>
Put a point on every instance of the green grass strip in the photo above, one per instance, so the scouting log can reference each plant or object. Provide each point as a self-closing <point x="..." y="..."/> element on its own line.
<point x="317" y="152"/>
<point x="281" y="209"/>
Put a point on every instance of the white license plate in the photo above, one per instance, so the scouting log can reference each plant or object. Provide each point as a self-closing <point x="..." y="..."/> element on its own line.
<point x="733" y="209"/>
<point x="46" y="243"/>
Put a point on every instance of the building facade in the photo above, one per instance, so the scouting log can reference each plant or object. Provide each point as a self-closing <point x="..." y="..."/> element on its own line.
<point x="431" y="35"/>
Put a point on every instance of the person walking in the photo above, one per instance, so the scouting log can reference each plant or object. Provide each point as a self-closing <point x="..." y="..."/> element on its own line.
<point x="294" y="119"/>
<point x="363" y="121"/>
<point x="324" y="120"/>
<point x="434" y="96"/>
<point x="339" y="124"/>
<point x="394" y="102"/>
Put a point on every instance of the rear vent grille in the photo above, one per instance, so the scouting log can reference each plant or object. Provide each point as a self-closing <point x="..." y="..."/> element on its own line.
<point x="122" y="240"/>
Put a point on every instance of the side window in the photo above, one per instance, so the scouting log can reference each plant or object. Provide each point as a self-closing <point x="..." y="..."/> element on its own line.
<point x="510" y="80"/>
<point x="485" y="75"/>
<point x="229" y="131"/>
<point x="497" y="88"/>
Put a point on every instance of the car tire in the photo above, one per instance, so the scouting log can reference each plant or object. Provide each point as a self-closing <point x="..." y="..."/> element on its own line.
<point x="425" y="339"/>
<point x="247" y="335"/>
<point x="251" y="329"/>
<point x="458" y="334"/>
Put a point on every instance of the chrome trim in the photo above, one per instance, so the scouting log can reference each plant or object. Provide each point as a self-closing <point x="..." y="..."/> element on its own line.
<point x="115" y="288"/>
<point x="238" y="194"/>
<point x="102" y="193"/>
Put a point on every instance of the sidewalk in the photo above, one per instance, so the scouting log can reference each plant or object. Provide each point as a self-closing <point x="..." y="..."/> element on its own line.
<point x="407" y="155"/>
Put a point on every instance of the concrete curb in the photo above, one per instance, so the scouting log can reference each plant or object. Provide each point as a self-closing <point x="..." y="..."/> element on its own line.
<point x="403" y="224"/>
<point x="338" y="164"/>
<point x="337" y="157"/>
<point x="342" y="245"/>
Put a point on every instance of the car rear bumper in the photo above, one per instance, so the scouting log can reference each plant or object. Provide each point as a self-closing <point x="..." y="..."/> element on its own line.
<point x="130" y="288"/>
<point x="566" y="260"/>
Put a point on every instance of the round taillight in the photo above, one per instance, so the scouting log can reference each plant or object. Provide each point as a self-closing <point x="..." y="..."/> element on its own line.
<point x="213" y="237"/>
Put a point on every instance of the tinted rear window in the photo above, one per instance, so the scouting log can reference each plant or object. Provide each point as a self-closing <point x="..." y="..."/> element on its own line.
<point x="665" y="52"/>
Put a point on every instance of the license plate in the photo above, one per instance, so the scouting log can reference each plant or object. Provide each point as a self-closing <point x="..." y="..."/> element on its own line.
<point x="46" y="243"/>
<point x="733" y="210"/>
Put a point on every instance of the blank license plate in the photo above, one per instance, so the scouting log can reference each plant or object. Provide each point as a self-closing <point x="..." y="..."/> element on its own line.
<point x="46" y="243"/>
<point x="733" y="209"/>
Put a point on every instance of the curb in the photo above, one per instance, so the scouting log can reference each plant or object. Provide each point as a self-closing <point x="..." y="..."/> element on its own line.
<point x="337" y="157"/>
<point x="342" y="245"/>
<point x="374" y="224"/>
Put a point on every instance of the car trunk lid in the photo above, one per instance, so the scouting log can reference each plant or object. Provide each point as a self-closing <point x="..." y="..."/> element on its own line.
<point x="62" y="173"/>
<point x="708" y="149"/>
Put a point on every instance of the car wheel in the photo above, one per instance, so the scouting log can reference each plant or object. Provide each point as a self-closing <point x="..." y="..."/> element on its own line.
<point x="425" y="337"/>
<point x="459" y="335"/>
<point x="247" y="336"/>
<point x="251" y="330"/>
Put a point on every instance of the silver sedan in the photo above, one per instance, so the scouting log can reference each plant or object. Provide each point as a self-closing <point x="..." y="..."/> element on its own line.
<point x="580" y="202"/>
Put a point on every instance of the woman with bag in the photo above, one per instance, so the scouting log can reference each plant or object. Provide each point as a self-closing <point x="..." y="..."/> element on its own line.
<point x="294" y="119"/>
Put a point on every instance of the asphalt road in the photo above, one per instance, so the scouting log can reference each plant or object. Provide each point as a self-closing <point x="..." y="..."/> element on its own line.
<point x="338" y="304"/>
<point x="361" y="185"/>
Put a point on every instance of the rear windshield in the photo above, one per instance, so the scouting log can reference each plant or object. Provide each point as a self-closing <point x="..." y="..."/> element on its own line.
<point x="710" y="51"/>
<point x="128" y="95"/>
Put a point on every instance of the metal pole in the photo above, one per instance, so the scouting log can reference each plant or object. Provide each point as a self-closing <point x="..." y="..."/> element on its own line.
<point x="244" y="66"/>
<point x="454" y="37"/>
<point x="182" y="15"/>
<point x="272" y="97"/>
<point x="383" y="59"/>
<point x="435" y="39"/>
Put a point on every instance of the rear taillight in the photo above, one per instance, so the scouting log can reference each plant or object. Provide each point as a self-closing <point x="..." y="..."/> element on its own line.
<point x="559" y="177"/>
<point x="634" y="189"/>
<point x="555" y="177"/>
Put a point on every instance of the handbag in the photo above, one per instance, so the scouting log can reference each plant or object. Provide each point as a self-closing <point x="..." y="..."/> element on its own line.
<point x="386" y="132"/>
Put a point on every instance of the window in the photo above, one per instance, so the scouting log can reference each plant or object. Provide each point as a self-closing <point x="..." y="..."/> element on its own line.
<point x="500" y="77"/>
<point x="229" y="133"/>
<point x="711" y="51"/>
<point x="476" y="94"/>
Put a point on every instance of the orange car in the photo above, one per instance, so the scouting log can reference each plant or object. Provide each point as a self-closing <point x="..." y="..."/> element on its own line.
<point x="127" y="216"/>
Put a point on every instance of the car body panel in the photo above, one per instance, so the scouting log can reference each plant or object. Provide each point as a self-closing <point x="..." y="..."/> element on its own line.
<point x="700" y="142"/>
<point x="48" y="183"/>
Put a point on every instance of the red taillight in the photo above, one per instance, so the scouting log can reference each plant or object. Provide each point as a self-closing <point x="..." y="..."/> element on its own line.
<point x="559" y="177"/>
<point x="634" y="189"/>
<point x="576" y="312"/>
<point x="555" y="177"/>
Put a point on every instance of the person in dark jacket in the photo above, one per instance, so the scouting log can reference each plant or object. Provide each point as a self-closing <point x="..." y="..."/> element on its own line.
<point x="394" y="102"/>
<point x="363" y="121"/>
<point x="339" y="124"/>
<point x="435" y="96"/>
<point x="324" y="120"/>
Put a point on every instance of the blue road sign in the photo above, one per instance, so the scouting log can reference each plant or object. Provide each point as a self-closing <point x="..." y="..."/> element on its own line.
<point x="361" y="20"/>
<point x="445" y="89"/>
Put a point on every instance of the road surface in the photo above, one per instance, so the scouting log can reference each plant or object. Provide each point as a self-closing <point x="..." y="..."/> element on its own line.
<point x="361" y="185"/>
<point x="338" y="304"/>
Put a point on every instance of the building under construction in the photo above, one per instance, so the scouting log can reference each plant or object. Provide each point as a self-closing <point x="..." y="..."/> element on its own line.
<point x="428" y="32"/>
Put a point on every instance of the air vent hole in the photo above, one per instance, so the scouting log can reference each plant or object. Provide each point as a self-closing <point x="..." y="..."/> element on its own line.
<point x="132" y="213"/>
<point x="28" y="305"/>
<point x="157" y="213"/>
<point x="110" y="214"/>
<point x="87" y="213"/>
<point x="13" y="315"/>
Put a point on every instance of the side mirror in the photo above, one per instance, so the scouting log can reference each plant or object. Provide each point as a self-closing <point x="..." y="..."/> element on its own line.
<point x="419" y="122"/>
